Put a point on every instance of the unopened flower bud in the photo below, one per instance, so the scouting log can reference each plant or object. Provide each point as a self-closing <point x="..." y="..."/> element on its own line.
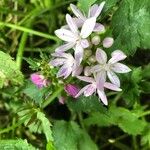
<point x="85" y="43"/>
<point x="108" y="42"/>
<point x="71" y="89"/>
<point x="39" y="80"/>
<point x="92" y="59"/>
<point x="96" y="40"/>
<point x="87" y="53"/>
<point x="87" y="71"/>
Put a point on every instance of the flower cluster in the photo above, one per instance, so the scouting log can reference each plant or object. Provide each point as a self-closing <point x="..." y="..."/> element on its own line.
<point x="87" y="55"/>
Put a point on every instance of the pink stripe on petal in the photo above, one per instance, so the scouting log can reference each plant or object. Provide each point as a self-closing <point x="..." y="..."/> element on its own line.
<point x="112" y="86"/>
<point x="102" y="97"/>
<point x="90" y="90"/>
<point x="120" y="68"/>
<point x="86" y="79"/>
<point x="117" y="55"/>
<point x="77" y="12"/>
<point x="100" y="79"/>
<point x="98" y="11"/>
<point x="78" y="54"/>
<point x="113" y="78"/>
<point x="82" y="91"/>
<point x="96" y="68"/>
<point x="71" y="24"/>
<point x="65" y="35"/>
<point x="101" y="56"/>
<point x="65" y="47"/>
<point x="88" y="27"/>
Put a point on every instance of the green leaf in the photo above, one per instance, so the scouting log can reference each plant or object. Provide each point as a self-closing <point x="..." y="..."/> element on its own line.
<point x="131" y="91"/>
<point x="9" y="70"/>
<point x="68" y="136"/>
<point x="86" y="104"/>
<point x="146" y="137"/>
<point x="35" y="93"/>
<point x="45" y="126"/>
<point x="36" y="121"/>
<point x="130" y="25"/>
<point x="126" y="120"/>
<point x="15" y="145"/>
<point x="85" y="4"/>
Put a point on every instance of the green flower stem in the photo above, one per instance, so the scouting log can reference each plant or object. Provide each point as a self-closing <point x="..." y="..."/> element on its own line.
<point x="52" y="97"/>
<point x="21" y="49"/>
<point x="12" y="127"/>
<point x="24" y="29"/>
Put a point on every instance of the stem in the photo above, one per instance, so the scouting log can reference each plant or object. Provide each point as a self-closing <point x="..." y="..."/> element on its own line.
<point x="52" y="97"/>
<point x="81" y="120"/>
<point x="21" y="49"/>
<point x="24" y="29"/>
<point x="11" y="127"/>
<point x="144" y="113"/>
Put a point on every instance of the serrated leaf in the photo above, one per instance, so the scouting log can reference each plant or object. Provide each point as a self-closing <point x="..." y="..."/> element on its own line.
<point x="86" y="104"/>
<point x="15" y="145"/>
<point x="68" y="136"/>
<point x="35" y="93"/>
<point x="9" y="70"/>
<point x="126" y="120"/>
<point x="130" y="25"/>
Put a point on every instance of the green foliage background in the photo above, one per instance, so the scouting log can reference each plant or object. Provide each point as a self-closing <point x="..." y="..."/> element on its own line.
<point x="32" y="115"/>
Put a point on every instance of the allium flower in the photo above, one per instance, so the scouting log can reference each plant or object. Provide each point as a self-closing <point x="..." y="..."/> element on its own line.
<point x="75" y="39"/>
<point x="94" y="87"/>
<point x="109" y="68"/>
<point x="71" y="89"/>
<point x="67" y="63"/>
<point x="94" y="11"/>
<point x="39" y="80"/>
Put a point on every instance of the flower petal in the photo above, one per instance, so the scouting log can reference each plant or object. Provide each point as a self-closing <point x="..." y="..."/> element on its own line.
<point x="71" y="24"/>
<point x="102" y="96"/>
<point x="88" y="27"/>
<point x="77" y="12"/>
<point x="92" y="10"/>
<point x="77" y="70"/>
<point x="117" y="55"/>
<point x="120" y="68"/>
<point x="81" y="91"/>
<point x="65" y="35"/>
<point x="84" y="43"/>
<point x="112" y="86"/>
<point x="57" y="62"/>
<point x="108" y="42"/>
<point x="78" y="54"/>
<point x="113" y="78"/>
<point x="99" y="28"/>
<point x="101" y="56"/>
<point x="65" y="47"/>
<point x="86" y="79"/>
<point x="99" y="9"/>
<point x="89" y="90"/>
<point x="64" y="71"/>
<point x="100" y="79"/>
<point x="96" y="68"/>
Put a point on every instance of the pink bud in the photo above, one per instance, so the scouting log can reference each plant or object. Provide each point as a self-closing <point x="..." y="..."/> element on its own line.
<point x="39" y="80"/>
<point x="108" y="42"/>
<point x="71" y="89"/>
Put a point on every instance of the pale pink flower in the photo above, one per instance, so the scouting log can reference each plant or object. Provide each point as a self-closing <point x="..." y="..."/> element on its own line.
<point x="39" y="80"/>
<point x="61" y="100"/>
<point x="108" y="42"/>
<point x="75" y="39"/>
<point x="71" y="89"/>
<point x="67" y="63"/>
<point x="94" y="11"/>
<point x="93" y="87"/>
<point x="113" y="66"/>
